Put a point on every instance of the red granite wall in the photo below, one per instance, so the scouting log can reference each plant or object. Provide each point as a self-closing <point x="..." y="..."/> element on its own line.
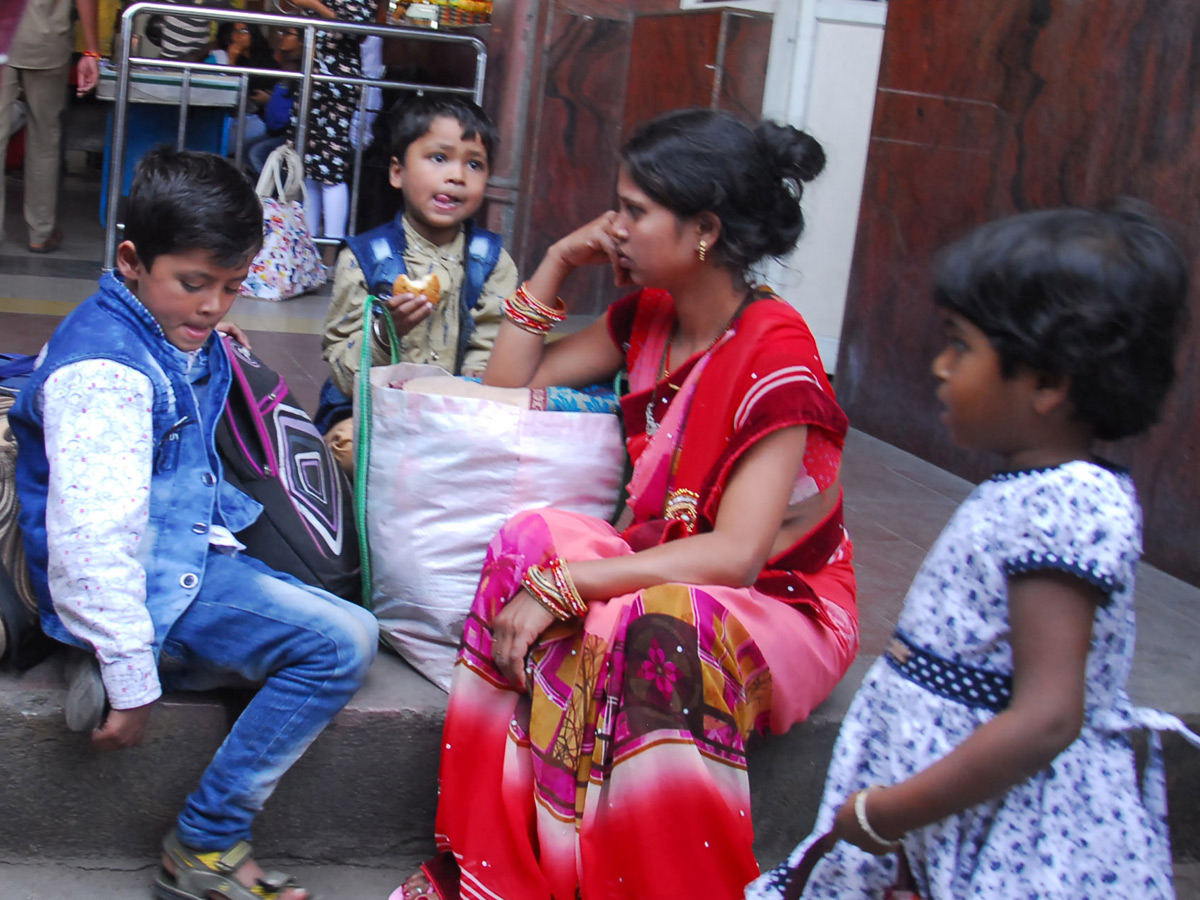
<point x="599" y="68"/>
<point x="987" y="109"/>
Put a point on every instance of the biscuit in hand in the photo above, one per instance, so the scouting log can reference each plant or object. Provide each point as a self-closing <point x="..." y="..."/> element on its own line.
<point x="429" y="286"/>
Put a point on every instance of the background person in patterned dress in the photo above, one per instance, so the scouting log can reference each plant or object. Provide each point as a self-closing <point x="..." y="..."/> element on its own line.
<point x="328" y="150"/>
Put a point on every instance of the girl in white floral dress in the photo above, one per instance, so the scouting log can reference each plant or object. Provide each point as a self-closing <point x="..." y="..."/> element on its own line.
<point x="989" y="747"/>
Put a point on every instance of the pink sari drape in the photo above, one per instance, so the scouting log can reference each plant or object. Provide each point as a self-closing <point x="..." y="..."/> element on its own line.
<point x="624" y="775"/>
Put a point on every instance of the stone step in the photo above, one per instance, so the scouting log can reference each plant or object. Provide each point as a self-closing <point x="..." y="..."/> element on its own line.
<point x="129" y="879"/>
<point x="118" y="878"/>
<point x="365" y="793"/>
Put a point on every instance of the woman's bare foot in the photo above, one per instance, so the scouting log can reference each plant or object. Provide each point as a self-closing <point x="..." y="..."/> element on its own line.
<point x="417" y="885"/>
<point x="248" y="874"/>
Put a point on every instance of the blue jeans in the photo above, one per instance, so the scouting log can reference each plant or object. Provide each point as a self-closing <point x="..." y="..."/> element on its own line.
<point x="307" y="648"/>
<point x="257" y="153"/>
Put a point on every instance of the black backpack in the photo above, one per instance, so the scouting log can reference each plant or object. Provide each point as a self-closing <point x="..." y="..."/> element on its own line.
<point x="271" y="450"/>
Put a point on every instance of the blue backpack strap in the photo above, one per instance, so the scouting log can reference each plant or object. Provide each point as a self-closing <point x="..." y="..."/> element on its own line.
<point x="380" y="255"/>
<point x="14" y="365"/>
<point x="483" y="252"/>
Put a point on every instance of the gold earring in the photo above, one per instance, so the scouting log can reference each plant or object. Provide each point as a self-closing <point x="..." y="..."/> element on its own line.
<point x="702" y="250"/>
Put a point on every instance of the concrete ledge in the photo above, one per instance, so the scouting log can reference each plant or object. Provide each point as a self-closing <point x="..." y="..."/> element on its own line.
<point x="366" y="791"/>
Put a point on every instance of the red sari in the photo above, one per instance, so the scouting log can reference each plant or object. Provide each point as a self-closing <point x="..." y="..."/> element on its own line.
<point x="624" y="774"/>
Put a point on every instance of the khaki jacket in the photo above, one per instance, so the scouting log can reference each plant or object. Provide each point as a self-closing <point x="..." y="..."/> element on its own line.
<point x="433" y="341"/>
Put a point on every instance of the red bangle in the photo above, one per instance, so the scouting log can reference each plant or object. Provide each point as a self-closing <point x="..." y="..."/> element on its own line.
<point x="92" y="54"/>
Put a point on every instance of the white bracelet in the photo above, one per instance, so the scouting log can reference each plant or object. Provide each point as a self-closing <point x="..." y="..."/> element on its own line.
<point x="860" y="813"/>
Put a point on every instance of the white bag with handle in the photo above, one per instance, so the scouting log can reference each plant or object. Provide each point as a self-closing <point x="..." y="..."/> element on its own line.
<point x="289" y="263"/>
<point x="445" y="472"/>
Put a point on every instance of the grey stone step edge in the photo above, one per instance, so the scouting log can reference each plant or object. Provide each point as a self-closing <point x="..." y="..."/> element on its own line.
<point x="366" y="791"/>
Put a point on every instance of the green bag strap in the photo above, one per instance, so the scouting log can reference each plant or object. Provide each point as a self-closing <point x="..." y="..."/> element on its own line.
<point x="362" y="454"/>
<point x="621" y="388"/>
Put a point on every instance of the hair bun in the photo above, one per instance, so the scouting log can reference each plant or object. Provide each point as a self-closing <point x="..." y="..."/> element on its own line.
<point x="751" y="177"/>
<point x="793" y="153"/>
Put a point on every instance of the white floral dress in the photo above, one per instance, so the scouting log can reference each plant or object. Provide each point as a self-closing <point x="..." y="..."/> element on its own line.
<point x="1080" y="827"/>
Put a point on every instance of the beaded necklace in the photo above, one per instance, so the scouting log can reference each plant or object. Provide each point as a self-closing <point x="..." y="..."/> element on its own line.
<point x="651" y="422"/>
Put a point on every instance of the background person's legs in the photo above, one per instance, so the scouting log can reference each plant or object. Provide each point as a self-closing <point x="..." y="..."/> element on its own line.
<point x="46" y="97"/>
<point x="314" y="213"/>
<point x="328" y="208"/>
<point x="257" y="153"/>
<point x="335" y="199"/>
<point x="10" y="87"/>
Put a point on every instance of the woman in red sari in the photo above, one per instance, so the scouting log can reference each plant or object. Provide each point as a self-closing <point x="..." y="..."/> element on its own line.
<point x="609" y="677"/>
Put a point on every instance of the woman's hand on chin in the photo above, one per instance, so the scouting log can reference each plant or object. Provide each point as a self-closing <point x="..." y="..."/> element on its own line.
<point x="595" y="242"/>
<point x="514" y="630"/>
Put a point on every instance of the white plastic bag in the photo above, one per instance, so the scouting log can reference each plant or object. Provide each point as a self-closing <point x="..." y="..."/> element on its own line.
<point x="445" y="473"/>
<point x="289" y="263"/>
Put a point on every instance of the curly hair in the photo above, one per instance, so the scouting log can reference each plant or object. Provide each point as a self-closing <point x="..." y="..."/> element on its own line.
<point x="702" y="160"/>
<point x="1097" y="296"/>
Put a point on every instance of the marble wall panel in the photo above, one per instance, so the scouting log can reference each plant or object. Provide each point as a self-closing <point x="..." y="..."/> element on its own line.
<point x="743" y="72"/>
<point x="672" y="65"/>
<point x="10" y="18"/>
<point x="618" y="9"/>
<point x="511" y="46"/>
<point x="575" y="136"/>
<point x="987" y="109"/>
<point x="599" y="68"/>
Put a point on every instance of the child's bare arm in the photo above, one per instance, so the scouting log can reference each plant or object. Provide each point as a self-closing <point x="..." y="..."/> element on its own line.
<point x="1051" y="616"/>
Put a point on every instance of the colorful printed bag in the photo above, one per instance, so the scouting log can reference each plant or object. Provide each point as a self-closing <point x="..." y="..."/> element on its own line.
<point x="289" y="263"/>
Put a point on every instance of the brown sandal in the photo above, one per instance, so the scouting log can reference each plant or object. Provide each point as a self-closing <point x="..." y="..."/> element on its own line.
<point x="49" y="245"/>
<point x="200" y="875"/>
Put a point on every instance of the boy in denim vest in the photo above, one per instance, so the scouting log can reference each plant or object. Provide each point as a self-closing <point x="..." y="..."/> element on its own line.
<point x="129" y="527"/>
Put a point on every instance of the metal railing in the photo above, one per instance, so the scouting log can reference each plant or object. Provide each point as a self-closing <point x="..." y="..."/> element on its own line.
<point x="308" y="76"/>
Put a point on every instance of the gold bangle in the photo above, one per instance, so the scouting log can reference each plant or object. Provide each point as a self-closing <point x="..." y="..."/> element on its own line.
<point x="530" y="314"/>
<point x="558" y="312"/>
<point x="566" y="587"/>
<point x="541" y="587"/>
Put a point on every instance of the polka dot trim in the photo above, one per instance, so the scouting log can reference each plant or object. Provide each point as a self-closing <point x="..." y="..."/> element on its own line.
<point x="971" y="686"/>
<point x="1041" y="562"/>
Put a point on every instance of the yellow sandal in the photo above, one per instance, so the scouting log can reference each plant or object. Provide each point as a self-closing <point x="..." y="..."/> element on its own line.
<point x="199" y="875"/>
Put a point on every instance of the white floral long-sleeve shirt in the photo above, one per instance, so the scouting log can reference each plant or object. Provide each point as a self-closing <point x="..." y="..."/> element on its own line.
<point x="100" y="444"/>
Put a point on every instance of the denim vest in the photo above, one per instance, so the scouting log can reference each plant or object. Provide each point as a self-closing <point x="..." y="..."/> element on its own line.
<point x="187" y="493"/>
